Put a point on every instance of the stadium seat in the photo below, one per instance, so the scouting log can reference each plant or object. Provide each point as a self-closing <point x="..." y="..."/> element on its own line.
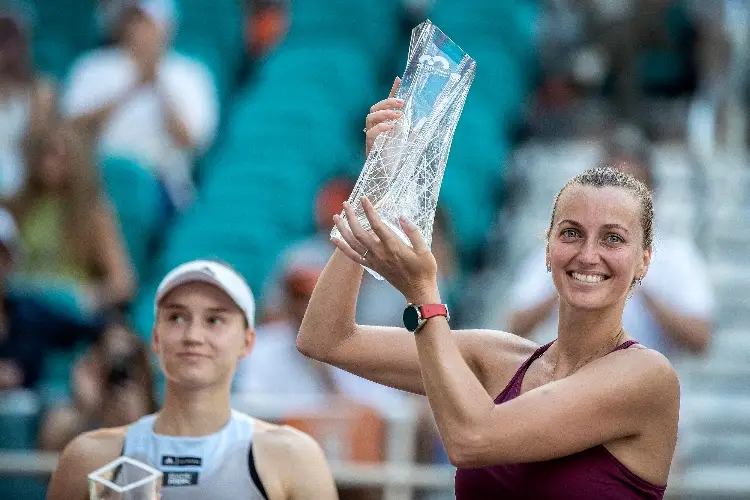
<point x="19" y="420"/>
<point x="212" y="33"/>
<point x="139" y="204"/>
<point x="370" y="24"/>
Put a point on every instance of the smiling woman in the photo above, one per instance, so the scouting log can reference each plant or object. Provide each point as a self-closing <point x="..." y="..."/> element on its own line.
<point x="592" y="415"/>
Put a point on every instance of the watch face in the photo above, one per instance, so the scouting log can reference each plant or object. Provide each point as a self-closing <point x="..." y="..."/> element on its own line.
<point x="411" y="318"/>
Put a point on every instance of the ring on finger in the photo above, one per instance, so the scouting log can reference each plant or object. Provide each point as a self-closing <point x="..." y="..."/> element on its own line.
<point x="364" y="255"/>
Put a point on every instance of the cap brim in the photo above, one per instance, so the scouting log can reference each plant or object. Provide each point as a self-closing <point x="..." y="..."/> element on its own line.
<point x="196" y="277"/>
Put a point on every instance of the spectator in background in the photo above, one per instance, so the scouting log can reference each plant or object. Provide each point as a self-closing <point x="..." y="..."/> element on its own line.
<point x="275" y="367"/>
<point x="68" y="235"/>
<point x="670" y="311"/>
<point x="27" y="101"/>
<point x="266" y="25"/>
<point x="142" y="100"/>
<point x="28" y="329"/>
<point x="112" y="386"/>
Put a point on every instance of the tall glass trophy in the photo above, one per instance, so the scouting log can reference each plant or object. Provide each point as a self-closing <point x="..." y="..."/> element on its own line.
<point x="404" y="170"/>
<point x="125" y="479"/>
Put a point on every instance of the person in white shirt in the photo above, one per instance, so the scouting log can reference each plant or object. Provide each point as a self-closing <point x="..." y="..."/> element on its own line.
<point x="671" y="309"/>
<point x="205" y="314"/>
<point x="144" y="101"/>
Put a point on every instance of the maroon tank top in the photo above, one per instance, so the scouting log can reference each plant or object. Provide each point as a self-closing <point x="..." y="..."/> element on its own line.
<point x="592" y="474"/>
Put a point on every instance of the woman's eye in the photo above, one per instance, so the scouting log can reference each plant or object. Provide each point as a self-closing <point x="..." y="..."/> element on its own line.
<point x="613" y="238"/>
<point x="176" y="318"/>
<point x="569" y="233"/>
<point x="215" y="321"/>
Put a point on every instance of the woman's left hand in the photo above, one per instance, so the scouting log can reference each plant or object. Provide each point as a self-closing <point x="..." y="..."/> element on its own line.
<point x="411" y="270"/>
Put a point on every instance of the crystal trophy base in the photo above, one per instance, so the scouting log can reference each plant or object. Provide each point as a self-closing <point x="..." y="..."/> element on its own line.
<point x="404" y="170"/>
<point x="125" y="479"/>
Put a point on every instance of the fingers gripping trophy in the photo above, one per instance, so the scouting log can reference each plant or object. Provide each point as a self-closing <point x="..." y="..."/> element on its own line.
<point x="125" y="479"/>
<point x="404" y="169"/>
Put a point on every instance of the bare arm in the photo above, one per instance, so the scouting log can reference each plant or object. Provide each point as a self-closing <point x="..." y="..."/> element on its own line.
<point x="93" y="120"/>
<point x="691" y="332"/>
<point x="607" y="400"/>
<point x="119" y="278"/>
<point x="388" y="355"/>
<point x="43" y="106"/>
<point x="175" y="125"/>
<point x="85" y="454"/>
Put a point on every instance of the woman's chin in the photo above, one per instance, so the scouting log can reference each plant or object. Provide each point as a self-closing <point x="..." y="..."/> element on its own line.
<point x="587" y="301"/>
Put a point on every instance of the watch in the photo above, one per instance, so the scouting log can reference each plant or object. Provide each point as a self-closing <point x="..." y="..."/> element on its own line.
<point x="415" y="316"/>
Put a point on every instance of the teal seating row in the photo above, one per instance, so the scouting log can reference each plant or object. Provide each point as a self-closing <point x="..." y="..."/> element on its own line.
<point x="19" y="422"/>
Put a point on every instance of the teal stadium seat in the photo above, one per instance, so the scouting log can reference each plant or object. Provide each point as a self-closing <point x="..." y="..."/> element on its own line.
<point x="372" y="25"/>
<point x="212" y="33"/>
<point x="63" y="30"/>
<point x="19" y="421"/>
<point x="138" y="201"/>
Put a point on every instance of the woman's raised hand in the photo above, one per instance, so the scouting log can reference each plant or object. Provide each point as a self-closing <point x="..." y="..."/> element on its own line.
<point x="381" y="116"/>
<point x="411" y="270"/>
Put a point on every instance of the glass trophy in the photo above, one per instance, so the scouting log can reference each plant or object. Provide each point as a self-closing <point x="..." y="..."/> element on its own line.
<point x="404" y="170"/>
<point x="125" y="479"/>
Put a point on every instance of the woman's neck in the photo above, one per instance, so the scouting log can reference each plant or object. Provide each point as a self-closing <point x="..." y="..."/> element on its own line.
<point x="584" y="335"/>
<point x="193" y="412"/>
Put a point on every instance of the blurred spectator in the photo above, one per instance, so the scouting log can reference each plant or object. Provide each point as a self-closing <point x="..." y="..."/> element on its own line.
<point x="276" y="367"/>
<point x="69" y="237"/>
<point x="653" y="50"/>
<point x="112" y="386"/>
<point x="27" y="329"/>
<point x="671" y="311"/>
<point x="27" y="101"/>
<point x="266" y="25"/>
<point x="143" y="101"/>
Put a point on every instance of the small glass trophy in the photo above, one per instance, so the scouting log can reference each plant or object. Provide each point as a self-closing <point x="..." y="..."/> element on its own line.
<point x="404" y="170"/>
<point x="125" y="479"/>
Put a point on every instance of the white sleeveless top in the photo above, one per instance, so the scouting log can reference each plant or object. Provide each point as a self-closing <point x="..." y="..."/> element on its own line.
<point x="210" y="467"/>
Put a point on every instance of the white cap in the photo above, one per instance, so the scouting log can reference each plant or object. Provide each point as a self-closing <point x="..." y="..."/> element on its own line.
<point x="9" y="233"/>
<point x="161" y="12"/>
<point x="207" y="271"/>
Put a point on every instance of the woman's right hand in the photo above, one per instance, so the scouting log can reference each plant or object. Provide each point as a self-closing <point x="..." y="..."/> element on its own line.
<point x="382" y="116"/>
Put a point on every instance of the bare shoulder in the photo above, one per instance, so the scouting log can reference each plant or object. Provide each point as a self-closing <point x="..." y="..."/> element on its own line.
<point x="644" y="372"/>
<point x="99" y="445"/>
<point x="283" y="441"/>
<point x="291" y="464"/>
<point x="83" y="455"/>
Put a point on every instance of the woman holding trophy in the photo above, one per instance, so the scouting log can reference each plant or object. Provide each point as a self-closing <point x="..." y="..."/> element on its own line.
<point x="196" y="447"/>
<point x="592" y="415"/>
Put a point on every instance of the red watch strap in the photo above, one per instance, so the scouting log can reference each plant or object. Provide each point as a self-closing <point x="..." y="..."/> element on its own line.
<point x="431" y="310"/>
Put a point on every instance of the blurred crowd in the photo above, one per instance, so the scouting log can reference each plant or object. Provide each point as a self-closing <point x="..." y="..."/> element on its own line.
<point x="106" y="157"/>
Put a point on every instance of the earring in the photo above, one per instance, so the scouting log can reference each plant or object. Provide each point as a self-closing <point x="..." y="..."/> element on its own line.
<point x="549" y="268"/>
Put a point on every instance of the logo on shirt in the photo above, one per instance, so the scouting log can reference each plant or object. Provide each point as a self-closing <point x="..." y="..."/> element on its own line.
<point x="177" y="479"/>
<point x="171" y="461"/>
